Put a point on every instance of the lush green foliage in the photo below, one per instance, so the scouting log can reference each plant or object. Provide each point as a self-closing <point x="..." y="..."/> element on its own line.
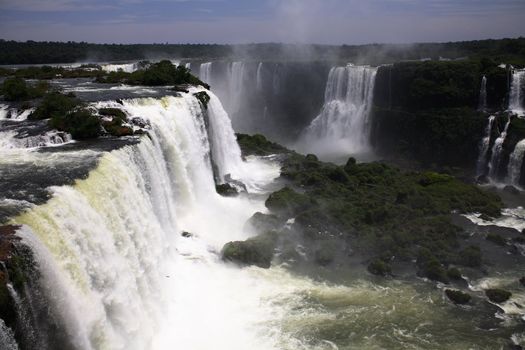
<point x="17" y="89"/>
<point x="30" y="52"/>
<point x="383" y="212"/>
<point x="55" y="105"/>
<point x="258" y="145"/>
<point x="80" y="123"/>
<point x="256" y="251"/>
<point x="447" y="136"/>
<point x="162" y="73"/>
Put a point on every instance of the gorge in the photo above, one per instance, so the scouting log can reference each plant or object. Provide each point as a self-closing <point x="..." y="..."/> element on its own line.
<point x="168" y="229"/>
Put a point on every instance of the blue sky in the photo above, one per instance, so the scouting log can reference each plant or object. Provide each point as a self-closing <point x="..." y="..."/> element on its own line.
<point x="245" y="21"/>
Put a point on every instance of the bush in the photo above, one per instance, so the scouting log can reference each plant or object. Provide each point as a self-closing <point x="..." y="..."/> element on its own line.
<point x="81" y="124"/>
<point x="55" y="105"/>
<point x="15" y="89"/>
<point x="379" y="267"/>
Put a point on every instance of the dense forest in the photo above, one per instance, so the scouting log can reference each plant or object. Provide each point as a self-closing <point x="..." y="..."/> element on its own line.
<point x="31" y="52"/>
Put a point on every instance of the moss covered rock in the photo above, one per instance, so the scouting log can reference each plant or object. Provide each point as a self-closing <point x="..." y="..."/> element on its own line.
<point x="256" y="251"/>
<point x="498" y="296"/>
<point x="458" y="297"/>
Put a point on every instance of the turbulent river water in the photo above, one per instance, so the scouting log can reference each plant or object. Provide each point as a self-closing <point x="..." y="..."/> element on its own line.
<point x="118" y="273"/>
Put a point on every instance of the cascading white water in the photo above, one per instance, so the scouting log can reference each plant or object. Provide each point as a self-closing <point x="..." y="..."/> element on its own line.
<point x="516" y="163"/>
<point x="259" y="82"/>
<point x="115" y="267"/>
<point x="482" y="105"/>
<point x="237" y="70"/>
<point x="4" y="109"/>
<point x="343" y="126"/>
<point x="496" y="151"/>
<point x="205" y="72"/>
<point x="188" y="65"/>
<point x="8" y="140"/>
<point x="484" y="147"/>
<point x="7" y="339"/>
<point x="517" y="95"/>
<point x="127" y="67"/>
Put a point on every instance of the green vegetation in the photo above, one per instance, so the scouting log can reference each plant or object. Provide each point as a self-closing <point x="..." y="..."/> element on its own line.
<point x="203" y="98"/>
<point x="428" y="111"/>
<point x="386" y="214"/>
<point x="258" y="145"/>
<point x="30" y="52"/>
<point x="379" y="267"/>
<point x="55" y="105"/>
<point x="256" y="251"/>
<point x="16" y="89"/>
<point x="162" y="73"/>
<point x="80" y="123"/>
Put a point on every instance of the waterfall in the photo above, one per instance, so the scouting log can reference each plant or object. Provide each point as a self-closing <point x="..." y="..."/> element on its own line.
<point x="496" y="152"/>
<point x="516" y="163"/>
<point x="343" y="126"/>
<point x="259" y="81"/>
<point x="188" y="65"/>
<point x="128" y="67"/>
<point x="115" y="269"/>
<point x="517" y="96"/>
<point x="484" y="148"/>
<point x="237" y="71"/>
<point x="7" y="340"/>
<point x="482" y="105"/>
<point x="205" y="72"/>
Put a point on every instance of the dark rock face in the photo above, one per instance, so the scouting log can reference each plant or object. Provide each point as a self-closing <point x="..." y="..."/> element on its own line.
<point x="458" y="297"/>
<point x="226" y="190"/>
<point x="256" y="251"/>
<point x="498" y="296"/>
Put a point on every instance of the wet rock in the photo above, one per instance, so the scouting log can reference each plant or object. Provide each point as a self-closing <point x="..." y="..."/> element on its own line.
<point x="256" y="251"/>
<point x="457" y="296"/>
<point x="522" y="281"/>
<point x="226" y="190"/>
<point x="496" y="239"/>
<point x="498" y="296"/>
<point x="187" y="234"/>
<point x="265" y="222"/>
<point x="141" y="123"/>
<point x="485" y="217"/>
<point x="511" y="190"/>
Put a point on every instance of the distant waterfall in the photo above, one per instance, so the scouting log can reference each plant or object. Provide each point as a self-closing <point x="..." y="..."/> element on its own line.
<point x="343" y="125"/>
<point x="188" y="65"/>
<point x="484" y="147"/>
<point x="516" y="163"/>
<point x="237" y="71"/>
<point x="114" y="267"/>
<point x="205" y="72"/>
<point x="259" y="82"/>
<point x="482" y="105"/>
<point x="517" y="93"/>
<point x="496" y="151"/>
